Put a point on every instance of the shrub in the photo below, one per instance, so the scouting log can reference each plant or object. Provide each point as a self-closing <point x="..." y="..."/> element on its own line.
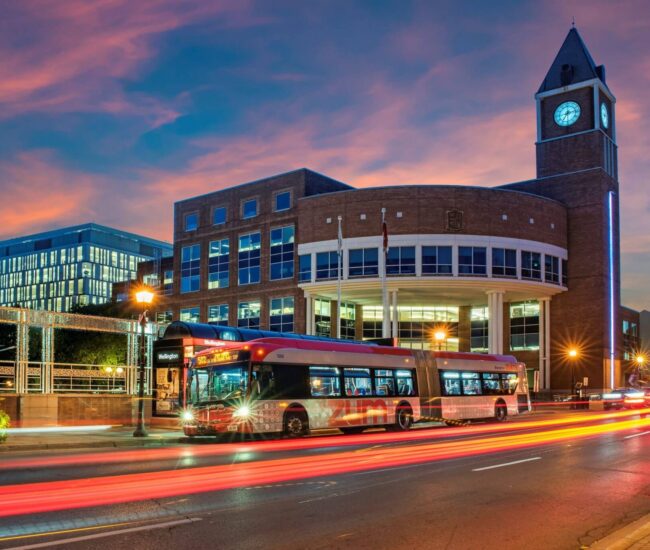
<point x="5" y="422"/>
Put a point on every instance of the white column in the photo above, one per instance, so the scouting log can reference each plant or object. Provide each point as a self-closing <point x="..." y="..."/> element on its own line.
<point x="395" y="331"/>
<point x="495" y="321"/>
<point x="309" y="313"/>
<point x="542" y="345"/>
<point x="547" y="340"/>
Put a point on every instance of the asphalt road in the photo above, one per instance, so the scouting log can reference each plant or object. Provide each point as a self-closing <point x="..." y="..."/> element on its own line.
<point x="549" y="485"/>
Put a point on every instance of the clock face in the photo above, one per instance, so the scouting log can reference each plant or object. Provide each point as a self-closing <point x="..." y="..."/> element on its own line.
<point x="604" y="116"/>
<point x="567" y="113"/>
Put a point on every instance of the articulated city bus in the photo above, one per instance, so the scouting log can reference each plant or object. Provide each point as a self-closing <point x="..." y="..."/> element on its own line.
<point x="294" y="386"/>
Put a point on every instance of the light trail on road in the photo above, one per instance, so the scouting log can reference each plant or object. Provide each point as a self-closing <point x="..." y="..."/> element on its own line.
<point x="31" y="498"/>
<point x="270" y="445"/>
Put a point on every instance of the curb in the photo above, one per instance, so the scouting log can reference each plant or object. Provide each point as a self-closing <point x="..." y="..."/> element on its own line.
<point x="625" y="537"/>
<point x="92" y="445"/>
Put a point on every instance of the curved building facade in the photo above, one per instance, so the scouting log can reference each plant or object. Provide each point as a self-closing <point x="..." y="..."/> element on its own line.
<point x="530" y="268"/>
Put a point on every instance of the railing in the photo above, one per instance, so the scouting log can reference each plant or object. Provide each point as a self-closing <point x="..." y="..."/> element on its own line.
<point x="73" y="378"/>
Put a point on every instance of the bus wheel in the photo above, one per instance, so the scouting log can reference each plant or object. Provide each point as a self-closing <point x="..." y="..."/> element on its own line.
<point x="296" y="423"/>
<point x="500" y="411"/>
<point x="403" y="418"/>
<point x="353" y="429"/>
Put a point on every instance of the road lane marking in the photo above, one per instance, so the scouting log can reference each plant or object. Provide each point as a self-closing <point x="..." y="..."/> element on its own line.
<point x="636" y="435"/>
<point x="507" y="464"/>
<point x="60" y="542"/>
<point x="66" y="531"/>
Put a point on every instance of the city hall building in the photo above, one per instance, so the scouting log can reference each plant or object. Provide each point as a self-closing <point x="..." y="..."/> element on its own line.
<point x="529" y="269"/>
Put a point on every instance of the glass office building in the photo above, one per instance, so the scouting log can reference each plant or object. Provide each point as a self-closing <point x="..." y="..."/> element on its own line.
<point x="78" y="265"/>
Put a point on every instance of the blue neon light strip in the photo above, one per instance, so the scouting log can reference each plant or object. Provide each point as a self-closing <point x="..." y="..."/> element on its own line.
<point x="611" y="289"/>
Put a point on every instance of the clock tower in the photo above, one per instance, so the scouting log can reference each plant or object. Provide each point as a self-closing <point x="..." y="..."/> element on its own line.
<point x="577" y="166"/>
<point x="575" y="114"/>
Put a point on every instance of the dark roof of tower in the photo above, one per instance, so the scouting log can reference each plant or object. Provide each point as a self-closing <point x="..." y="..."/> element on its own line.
<point x="572" y="64"/>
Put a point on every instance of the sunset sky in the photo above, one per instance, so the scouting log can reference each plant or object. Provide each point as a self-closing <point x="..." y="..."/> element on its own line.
<point x="112" y="110"/>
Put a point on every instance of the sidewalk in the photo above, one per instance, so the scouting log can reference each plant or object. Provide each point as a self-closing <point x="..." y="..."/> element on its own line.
<point x="119" y="436"/>
<point x="635" y="536"/>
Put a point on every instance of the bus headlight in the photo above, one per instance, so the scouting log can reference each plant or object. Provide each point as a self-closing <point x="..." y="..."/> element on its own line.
<point x="187" y="416"/>
<point x="242" y="412"/>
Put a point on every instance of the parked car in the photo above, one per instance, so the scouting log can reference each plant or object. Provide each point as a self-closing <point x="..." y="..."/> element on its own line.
<point x="626" y="398"/>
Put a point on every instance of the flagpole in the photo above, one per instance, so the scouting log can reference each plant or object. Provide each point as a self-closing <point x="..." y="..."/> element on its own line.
<point x="338" y="279"/>
<point x="385" y="327"/>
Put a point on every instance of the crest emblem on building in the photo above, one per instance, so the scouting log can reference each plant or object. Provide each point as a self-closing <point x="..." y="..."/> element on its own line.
<point x="454" y="221"/>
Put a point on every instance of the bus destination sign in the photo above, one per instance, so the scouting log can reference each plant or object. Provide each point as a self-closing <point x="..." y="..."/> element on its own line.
<point x="219" y="356"/>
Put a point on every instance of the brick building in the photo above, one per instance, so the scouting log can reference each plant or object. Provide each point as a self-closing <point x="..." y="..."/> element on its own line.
<point x="530" y="268"/>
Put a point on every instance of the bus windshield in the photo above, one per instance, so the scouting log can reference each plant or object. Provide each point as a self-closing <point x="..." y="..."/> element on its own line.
<point x="214" y="384"/>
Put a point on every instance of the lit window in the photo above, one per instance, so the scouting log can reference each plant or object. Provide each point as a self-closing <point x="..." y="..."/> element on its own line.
<point x="504" y="262"/>
<point x="281" y="314"/>
<point x="218" y="314"/>
<point x="249" y="258"/>
<point x="347" y="320"/>
<point x="524" y="326"/>
<point x="248" y="314"/>
<point x="364" y="262"/>
<point x="436" y="260"/>
<point x="249" y="209"/>
<point x="219" y="215"/>
<point x="283" y="201"/>
<point x="190" y="268"/>
<point x="190" y="315"/>
<point x="322" y="317"/>
<point x="479" y="329"/>
<point x="282" y="246"/>
<point x="219" y="264"/>
<point x="531" y="265"/>
<point x="163" y="317"/>
<point x="192" y="221"/>
<point x="472" y="260"/>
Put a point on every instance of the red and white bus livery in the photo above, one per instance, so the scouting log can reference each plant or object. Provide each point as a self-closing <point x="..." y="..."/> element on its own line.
<point x="294" y="386"/>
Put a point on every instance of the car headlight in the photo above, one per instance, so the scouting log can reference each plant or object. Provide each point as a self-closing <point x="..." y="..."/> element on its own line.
<point x="187" y="416"/>
<point x="612" y="396"/>
<point x="635" y="395"/>
<point x="242" y="412"/>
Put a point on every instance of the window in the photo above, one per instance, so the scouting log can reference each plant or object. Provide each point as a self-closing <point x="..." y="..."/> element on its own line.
<point x="347" y="321"/>
<point x="565" y="272"/>
<point x="364" y="262"/>
<point x="384" y="382"/>
<point x="190" y="314"/>
<point x="324" y="382"/>
<point x="323" y="318"/>
<point x="281" y="314"/>
<point x="168" y="282"/>
<point x="472" y="260"/>
<point x="248" y="314"/>
<point x="471" y="383"/>
<point x="504" y="262"/>
<point x="524" y="326"/>
<point x="219" y="264"/>
<point x="479" y="329"/>
<point x="326" y="265"/>
<point x="357" y="382"/>
<point x="283" y="201"/>
<point x="436" y="260"/>
<point x="190" y="268"/>
<point x="218" y="314"/>
<point x="192" y="221"/>
<point x="450" y="383"/>
<point x="400" y="260"/>
<point x="164" y="317"/>
<point x="531" y="265"/>
<point x="219" y="215"/>
<point x="249" y="209"/>
<point x="304" y="275"/>
<point x="372" y="321"/>
<point x="249" y="258"/>
<point x="405" y="383"/>
<point x="551" y="269"/>
<point x="282" y="252"/>
<point x="491" y="383"/>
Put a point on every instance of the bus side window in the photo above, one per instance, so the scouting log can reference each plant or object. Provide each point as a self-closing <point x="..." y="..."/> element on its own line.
<point x="491" y="383"/>
<point x="450" y="383"/>
<point x="405" y="382"/>
<point x="509" y="382"/>
<point x="384" y="383"/>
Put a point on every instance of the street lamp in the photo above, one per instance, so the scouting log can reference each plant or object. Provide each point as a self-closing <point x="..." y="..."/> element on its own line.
<point x="573" y="355"/>
<point x="439" y="336"/>
<point x="144" y="297"/>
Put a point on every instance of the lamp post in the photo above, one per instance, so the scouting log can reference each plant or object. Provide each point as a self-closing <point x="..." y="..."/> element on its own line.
<point x="439" y="336"/>
<point x="573" y="355"/>
<point x="144" y="297"/>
